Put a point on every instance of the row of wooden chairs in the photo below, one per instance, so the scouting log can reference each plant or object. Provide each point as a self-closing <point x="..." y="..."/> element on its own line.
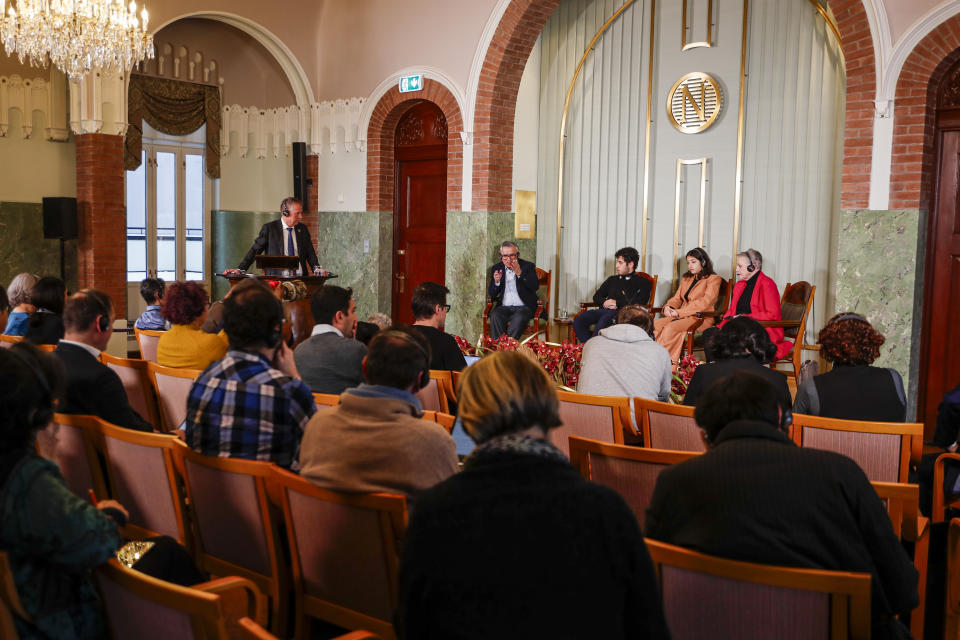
<point x="343" y="547"/>
<point x="633" y="471"/>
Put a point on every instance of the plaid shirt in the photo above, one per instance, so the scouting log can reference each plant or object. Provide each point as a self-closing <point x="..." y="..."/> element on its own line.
<point x="240" y="407"/>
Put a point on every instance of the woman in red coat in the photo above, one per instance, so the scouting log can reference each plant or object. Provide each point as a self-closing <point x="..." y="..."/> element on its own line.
<point x="756" y="295"/>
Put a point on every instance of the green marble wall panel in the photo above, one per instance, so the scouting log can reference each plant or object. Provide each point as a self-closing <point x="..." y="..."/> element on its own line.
<point x="473" y="245"/>
<point x="364" y="267"/>
<point x="232" y="233"/>
<point x="23" y="248"/>
<point x="880" y="258"/>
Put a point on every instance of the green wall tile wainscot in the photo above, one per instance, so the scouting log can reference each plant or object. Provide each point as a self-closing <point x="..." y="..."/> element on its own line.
<point x="23" y="247"/>
<point x="232" y="233"/>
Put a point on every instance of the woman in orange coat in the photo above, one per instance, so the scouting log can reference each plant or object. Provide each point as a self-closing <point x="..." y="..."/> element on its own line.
<point x="697" y="293"/>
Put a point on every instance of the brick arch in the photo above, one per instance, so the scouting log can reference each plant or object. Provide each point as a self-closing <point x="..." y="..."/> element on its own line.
<point x="911" y="175"/>
<point x="519" y="29"/>
<point x="380" y="143"/>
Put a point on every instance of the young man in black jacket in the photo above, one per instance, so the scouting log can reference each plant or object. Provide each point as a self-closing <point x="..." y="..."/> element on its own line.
<point x="616" y="292"/>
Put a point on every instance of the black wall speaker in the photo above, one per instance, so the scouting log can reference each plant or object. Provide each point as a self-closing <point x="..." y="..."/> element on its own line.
<point x="60" y="218"/>
<point x="300" y="180"/>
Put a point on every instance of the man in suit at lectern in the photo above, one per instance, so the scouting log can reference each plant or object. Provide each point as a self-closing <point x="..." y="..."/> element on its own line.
<point x="286" y="236"/>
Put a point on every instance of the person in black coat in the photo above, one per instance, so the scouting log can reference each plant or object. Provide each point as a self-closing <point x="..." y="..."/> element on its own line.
<point x="91" y="387"/>
<point x="278" y="237"/>
<point x="513" y="285"/>
<point x="852" y="390"/>
<point x="429" y="304"/>
<point x="519" y="545"/>
<point x="45" y="325"/>
<point x="616" y="292"/>
<point x="757" y="497"/>
<point x="741" y="345"/>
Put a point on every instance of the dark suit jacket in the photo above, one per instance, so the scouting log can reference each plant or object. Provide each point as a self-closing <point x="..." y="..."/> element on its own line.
<point x="527" y="284"/>
<point x="757" y="497"/>
<point x="92" y="388"/>
<point x="707" y="374"/>
<point x="272" y="242"/>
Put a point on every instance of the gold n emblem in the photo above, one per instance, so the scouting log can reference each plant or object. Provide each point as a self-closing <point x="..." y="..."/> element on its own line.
<point x="700" y="108"/>
<point x="694" y="102"/>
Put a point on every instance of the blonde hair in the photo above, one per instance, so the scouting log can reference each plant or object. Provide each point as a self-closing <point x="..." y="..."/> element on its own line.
<point x="506" y="392"/>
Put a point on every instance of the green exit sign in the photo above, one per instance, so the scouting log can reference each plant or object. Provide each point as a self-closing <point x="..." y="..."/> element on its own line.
<point x="411" y="83"/>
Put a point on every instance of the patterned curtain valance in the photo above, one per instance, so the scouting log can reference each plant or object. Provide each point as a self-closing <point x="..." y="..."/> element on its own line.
<point x="176" y="108"/>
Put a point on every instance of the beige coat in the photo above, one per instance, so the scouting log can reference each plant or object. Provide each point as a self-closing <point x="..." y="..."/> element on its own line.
<point x="670" y="332"/>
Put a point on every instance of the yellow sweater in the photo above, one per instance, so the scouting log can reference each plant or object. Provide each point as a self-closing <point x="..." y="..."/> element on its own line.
<point x="188" y="348"/>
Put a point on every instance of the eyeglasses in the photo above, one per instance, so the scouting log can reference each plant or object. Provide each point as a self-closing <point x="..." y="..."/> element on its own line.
<point x="508" y="255"/>
<point x="446" y="307"/>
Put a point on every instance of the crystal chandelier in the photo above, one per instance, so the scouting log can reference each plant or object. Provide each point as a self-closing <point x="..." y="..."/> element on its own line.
<point x="77" y="35"/>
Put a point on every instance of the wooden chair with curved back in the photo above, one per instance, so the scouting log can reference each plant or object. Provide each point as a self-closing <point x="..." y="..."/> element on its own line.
<point x="142" y="476"/>
<point x="250" y="630"/>
<point x="326" y="399"/>
<point x="943" y="497"/>
<point x="49" y="348"/>
<point x="434" y="396"/>
<point x="723" y="301"/>
<point x="590" y="304"/>
<point x="602" y="418"/>
<point x="142" y="607"/>
<point x="630" y="471"/>
<point x="235" y="527"/>
<point x="795" y="304"/>
<point x="10" y="605"/>
<point x="147" y="340"/>
<point x="445" y="420"/>
<point x="135" y="376"/>
<point x="709" y="597"/>
<point x="8" y="341"/>
<point x="172" y="387"/>
<point x="952" y="611"/>
<point x="542" y="313"/>
<point x="883" y="450"/>
<point x="344" y="552"/>
<point x="76" y="454"/>
<point x="902" y="501"/>
<point x="669" y="426"/>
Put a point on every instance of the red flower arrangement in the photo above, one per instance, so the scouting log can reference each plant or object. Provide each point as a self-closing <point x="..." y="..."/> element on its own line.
<point x="682" y="377"/>
<point x="560" y="361"/>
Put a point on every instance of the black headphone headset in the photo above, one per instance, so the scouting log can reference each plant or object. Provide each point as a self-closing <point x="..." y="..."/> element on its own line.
<point x="700" y="255"/>
<point x="44" y="412"/>
<point x="103" y="304"/>
<point x="423" y="377"/>
<point x="850" y="316"/>
<point x="284" y="209"/>
<point x="750" y="267"/>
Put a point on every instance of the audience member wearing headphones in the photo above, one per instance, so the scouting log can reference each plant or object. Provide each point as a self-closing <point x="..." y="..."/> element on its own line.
<point x="52" y="537"/>
<point x="518" y="542"/>
<point x="755" y="496"/>
<point x="251" y="404"/>
<point x="697" y="293"/>
<point x="93" y="388"/>
<point x="754" y="295"/>
<point x="287" y="237"/>
<point x="374" y="440"/>
<point x="852" y="389"/>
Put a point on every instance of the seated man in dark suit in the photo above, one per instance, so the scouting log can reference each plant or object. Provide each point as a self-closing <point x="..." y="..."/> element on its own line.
<point x="513" y="288"/>
<point x="93" y="388"/>
<point x="755" y="496"/>
<point x="429" y="303"/>
<point x="286" y="236"/>
<point x="618" y="291"/>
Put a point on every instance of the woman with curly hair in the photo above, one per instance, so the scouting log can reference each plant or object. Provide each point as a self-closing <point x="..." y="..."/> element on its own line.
<point x="186" y="345"/>
<point x="852" y="390"/>
<point x="20" y="307"/>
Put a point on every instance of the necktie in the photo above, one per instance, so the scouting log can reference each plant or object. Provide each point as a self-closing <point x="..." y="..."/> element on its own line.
<point x="290" y="251"/>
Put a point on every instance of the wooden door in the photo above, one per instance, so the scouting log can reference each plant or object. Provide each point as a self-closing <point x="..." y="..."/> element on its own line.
<point x="940" y="354"/>
<point x="420" y="204"/>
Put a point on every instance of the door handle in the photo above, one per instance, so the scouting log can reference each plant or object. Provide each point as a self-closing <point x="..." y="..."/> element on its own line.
<point x="401" y="277"/>
<point x="401" y="252"/>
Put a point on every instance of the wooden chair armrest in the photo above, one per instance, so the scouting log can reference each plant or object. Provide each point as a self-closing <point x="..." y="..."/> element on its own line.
<point x="655" y="310"/>
<point x="586" y="305"/>
<point x="358" y="635"/>
<point x="232" y="587"/>
<point x="486" y="309"/>
<point x="939" y="506"/>
<point x="782" y="324"/>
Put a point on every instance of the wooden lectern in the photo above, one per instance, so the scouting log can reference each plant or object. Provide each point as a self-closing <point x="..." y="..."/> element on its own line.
<point x="296" y="300"/>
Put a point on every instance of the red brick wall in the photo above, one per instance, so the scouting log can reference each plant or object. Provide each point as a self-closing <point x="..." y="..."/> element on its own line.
<point x="102" y="246"/>
<point x="911" y="176"/>
<point x="380" y="143"/>
<point x="312" y="206"/>
<point x="861" y="92"/>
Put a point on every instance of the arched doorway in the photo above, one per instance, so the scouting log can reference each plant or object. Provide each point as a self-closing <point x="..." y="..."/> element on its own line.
<point x="420" y="203"/>
<point x="940" y="360"/>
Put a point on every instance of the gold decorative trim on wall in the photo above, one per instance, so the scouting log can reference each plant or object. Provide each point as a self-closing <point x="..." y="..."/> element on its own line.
<point x="646" y="153"/>
<point x="681" y="163"/>
<point x="525" y="220"/>
<point x="684" y="45"/>
<point x="738" y="187"/>
<point x="686" y="114"/>
<point x="830" y="23"/>
<point x="558" y="273"/>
